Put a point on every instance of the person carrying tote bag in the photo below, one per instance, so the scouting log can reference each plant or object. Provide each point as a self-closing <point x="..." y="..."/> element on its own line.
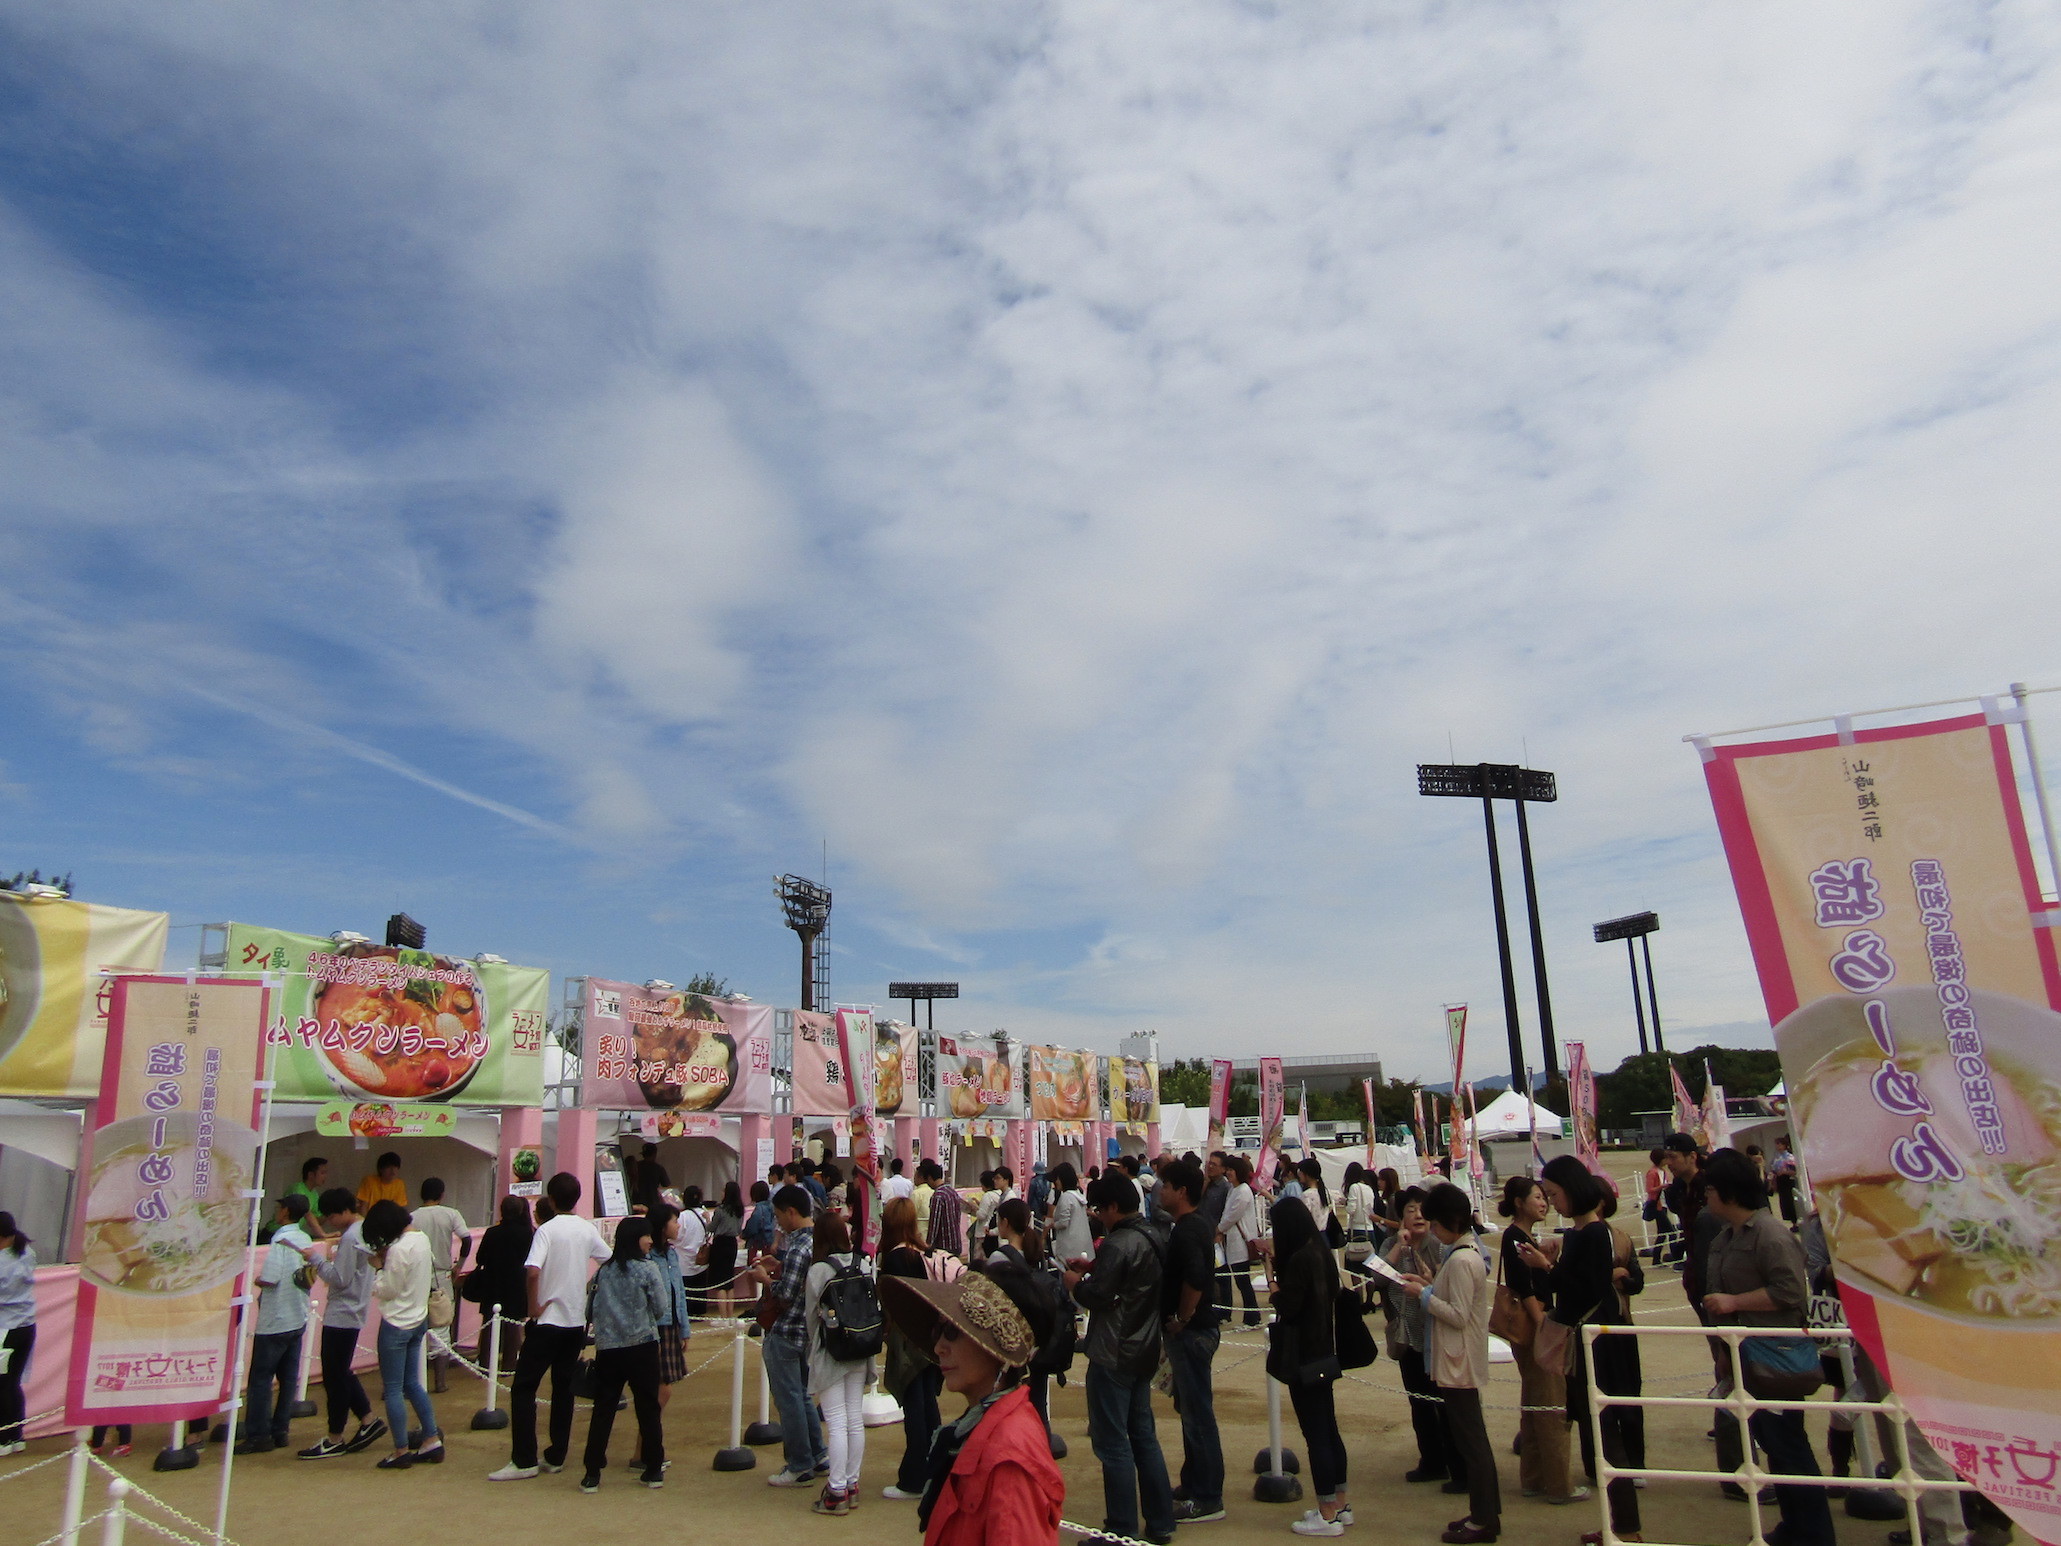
<point x="1302" y="1353"/>
<point x="1456" y="1306"/>
<point x="1518" y="1316"/>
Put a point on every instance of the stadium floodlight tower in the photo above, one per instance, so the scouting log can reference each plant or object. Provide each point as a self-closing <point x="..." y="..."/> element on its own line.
<point x="1641" y="927"/>
<point x="806" y="908"/>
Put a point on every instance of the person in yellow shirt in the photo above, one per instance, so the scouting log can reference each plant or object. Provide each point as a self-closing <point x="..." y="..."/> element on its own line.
<point x="385" y="1185"/>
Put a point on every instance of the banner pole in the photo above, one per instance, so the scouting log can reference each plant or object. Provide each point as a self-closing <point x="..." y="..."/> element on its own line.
<point x="246" y="1321"/>
<point x="2039" y="783"/>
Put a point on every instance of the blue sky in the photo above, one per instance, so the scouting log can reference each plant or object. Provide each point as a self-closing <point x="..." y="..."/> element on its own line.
<point x="549" y="469"/>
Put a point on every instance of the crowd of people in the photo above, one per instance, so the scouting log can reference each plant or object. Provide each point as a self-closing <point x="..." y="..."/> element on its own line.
<point x="1136" y="1272"/>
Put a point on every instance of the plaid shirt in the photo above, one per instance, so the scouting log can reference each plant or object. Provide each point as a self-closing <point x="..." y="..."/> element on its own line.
<point x="797" y="1254"/>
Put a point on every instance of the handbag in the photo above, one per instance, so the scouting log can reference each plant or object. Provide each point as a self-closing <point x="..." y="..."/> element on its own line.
<point x="442" y="1306"/>
<point x="1355" y="1343"/>
<point x="1780" y="1368"/>
<point x="1509" y="1316"/>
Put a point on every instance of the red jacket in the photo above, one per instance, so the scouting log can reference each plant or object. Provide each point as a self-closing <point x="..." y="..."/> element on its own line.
<point x="1004" y="1489"/>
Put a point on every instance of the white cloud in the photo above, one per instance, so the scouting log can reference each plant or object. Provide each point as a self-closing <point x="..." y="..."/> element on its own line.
<point x="1078" y="457"/>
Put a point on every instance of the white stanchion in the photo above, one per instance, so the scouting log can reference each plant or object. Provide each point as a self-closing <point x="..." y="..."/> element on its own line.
<point x="765" y="1430"/>
<point x="311" y="1334"/>
<point x="115" y="1526"/>
<point x="75" y="1487"/>
<point x="491" y="1416"/>
<point x="736" y="1456"/>
<point x="1275" y="1484"/>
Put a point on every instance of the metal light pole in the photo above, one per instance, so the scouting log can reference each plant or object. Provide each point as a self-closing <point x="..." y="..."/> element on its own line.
<point x="805" y="908"/>
<point x="1538" y="948"/>
<point x="1489" y="782"/>
<point x="1640" y="927"/>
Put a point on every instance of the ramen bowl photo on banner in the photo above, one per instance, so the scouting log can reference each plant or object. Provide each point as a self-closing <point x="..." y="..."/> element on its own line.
<point x="646" y="1049"/>
<point x="382" y="1023"/>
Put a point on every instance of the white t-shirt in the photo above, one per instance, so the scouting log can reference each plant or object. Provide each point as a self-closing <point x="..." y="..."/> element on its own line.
<point x="692" y="1232"/>
<point x="560" y="1251"/>
<point x="896" y="1186"/>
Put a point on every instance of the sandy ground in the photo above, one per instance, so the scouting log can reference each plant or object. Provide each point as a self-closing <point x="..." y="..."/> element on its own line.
<point x="279" y="1499"/>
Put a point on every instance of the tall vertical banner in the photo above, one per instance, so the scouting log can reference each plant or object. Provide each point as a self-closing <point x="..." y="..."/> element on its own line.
<point x="1477" y="1161"/>
<point x="1273" y="1113"/>
<point x="1688" y="1113"/>
<point x="1717" y="1120"/>
<point x="1367" y="1095"/>
<point x="855" y="1045"/>
<point x="1460" y="1146"/>
<point x="1456" y="1039"/>
<point x="1219" y="1101"/>
<point x="1417" y="1116"/>
<point x="1908" y="963"/>
<point x="168" y="1156"/>
<point x="1581" y="1102"/>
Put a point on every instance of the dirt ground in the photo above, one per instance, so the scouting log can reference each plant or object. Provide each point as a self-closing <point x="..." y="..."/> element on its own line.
<point x="279" y="1499"/>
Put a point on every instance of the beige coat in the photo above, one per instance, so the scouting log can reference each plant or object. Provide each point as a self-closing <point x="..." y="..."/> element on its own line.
<point x="1457" y="1310"/>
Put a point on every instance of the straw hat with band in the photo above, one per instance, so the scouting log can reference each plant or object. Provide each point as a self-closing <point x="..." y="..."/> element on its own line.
<point x="974" y="1303"/>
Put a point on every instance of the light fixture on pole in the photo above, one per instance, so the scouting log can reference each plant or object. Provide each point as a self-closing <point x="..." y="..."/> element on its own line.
<point x="1640" y="927"/>
<point x="1489" y="782"/>
<point x="805" y="908"/>
<point x="926" y="993"/>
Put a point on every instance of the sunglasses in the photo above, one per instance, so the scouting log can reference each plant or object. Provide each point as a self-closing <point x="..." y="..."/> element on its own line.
<point x="947" y="1332"/>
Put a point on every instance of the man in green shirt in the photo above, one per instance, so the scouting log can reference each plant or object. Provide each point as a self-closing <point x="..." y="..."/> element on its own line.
<point x="314" y="1180"/>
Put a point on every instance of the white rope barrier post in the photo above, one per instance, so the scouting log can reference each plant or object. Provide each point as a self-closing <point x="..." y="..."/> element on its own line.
<point x="736" y="1456"/>
<point x="302" y="1406"/>
<point x="1604" y="1469"/>
<point x="1274" y="1483"/>
<point x="75" y="1486"/>
<point x="117" y="1518"/>
<point x="765" y="1430"/>
<point x="491" y="1415"/>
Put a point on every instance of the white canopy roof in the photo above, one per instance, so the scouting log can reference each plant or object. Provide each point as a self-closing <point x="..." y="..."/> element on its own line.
<point x="1510" y="1112"/>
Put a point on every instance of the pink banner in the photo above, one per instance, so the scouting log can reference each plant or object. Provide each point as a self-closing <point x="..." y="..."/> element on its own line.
<point x="1273" y="1113"/>
<point x="167" y="1161"/>
<point x="1907" y="958"/>
<point x="1581" y="1099"/>
<point x="1219" y="1101"/>
<point x="1367" y="1094"/>
<point x="855" y="1046"/>
<point x="664" y="1050"/>
<point x="820" y="1087"/>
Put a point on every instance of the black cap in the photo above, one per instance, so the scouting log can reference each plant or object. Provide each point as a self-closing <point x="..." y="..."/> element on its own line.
<point x="1681" y="1143"/>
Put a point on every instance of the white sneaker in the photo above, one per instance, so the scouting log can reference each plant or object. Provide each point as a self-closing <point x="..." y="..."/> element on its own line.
<point x="895" y="1495"/>
<point x="786" y="1478"/>
<point x="512" y="1473"/>
<point x="1344" y="1516"/>
<point x="1314" y="1523"/>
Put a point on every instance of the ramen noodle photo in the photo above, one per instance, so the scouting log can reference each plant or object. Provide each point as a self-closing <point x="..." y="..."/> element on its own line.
<point x="682" y="1055"/>
<point x="890" y="1075"/>
<point x="397" y="1025"/>
<point x="1917" y="1208"/>
<point x="981" y="1084"/>
<point x="148" y="1229"/>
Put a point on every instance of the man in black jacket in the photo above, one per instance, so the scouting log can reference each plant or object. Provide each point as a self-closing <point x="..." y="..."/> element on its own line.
<point x="1121" y="1292"/>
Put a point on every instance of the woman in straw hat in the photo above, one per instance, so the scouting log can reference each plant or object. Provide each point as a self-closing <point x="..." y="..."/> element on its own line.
<point x="991" y="1478"/>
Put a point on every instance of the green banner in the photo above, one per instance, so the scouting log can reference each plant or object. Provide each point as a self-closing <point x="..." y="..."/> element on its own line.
<point x="379" y="1023"/>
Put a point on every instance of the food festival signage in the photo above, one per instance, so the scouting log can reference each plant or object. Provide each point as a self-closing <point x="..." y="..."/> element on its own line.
<point x="53" y="994"/>
<point x="1219" y="1101"/>
<point x="1062" y="1085"/>
<point x="895" y="1064"/>
<point x="1907" y="959"/>
<point x="384" y="1119"/>
<point x="1133" y="1091"/>
<point x="168" y="1158"/>
<point x="384" y="1023"/>
<point x="1273" y="1115"/>
<point x="646" y="1049"/>
<point x="820" y="1089"/>
<point x="977" y="1077"/>
<point x="1581" y="1103"/>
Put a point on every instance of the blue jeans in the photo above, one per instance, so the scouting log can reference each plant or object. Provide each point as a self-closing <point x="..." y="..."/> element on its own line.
<point x="801" y="1430"/>
<point x="400" y="1376"/>
<point x="1121" y="1432"/>
<point x="1806" y="1513"/>
<point x="275" y="1356"/>
<point x="1189" y="1354"/>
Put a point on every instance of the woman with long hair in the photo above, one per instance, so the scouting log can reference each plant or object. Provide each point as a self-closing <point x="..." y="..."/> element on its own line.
<point x="17" y="1329"/>
<point x="1022" y="1244"/>
<point x="1070" y="1235"/>
<point x="401" y="1283"/>
<point x="838" y="1385"/>
<point x="1358" y="1202"/>
<point x="1582" y="1279"/>
<point x="726" y="1223"/>
<point x="1542" y="1429"/>
<point x="498" y="1279"/>
<point x="673" y="1330"/>
<point x="1238" y="1231"/>
<point x="912" y="1376"/>
<point x="631" y="1303"/>
<point x="991" y="1480"/>
<point x="1302" y="1354"/>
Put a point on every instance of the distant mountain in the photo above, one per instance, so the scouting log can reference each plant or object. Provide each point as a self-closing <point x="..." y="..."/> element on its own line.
<point x="1496" y="1083"/>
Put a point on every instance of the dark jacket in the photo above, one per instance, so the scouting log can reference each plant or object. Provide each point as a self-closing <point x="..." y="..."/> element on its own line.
<point x="1305" y="1313"/>
<point x="1121" y="1295"/>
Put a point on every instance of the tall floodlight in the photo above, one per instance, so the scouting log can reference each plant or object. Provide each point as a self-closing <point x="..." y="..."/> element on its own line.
<point x="806" y="908"/>
<point x="1489" y="782"/>
<point x="1640" y="927"/>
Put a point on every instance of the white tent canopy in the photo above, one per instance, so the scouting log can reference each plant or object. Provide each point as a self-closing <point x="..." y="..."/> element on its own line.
<point x="1510" y="1112"/>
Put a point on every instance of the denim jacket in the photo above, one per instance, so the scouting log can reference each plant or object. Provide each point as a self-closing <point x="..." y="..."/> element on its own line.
<point x="629" y="1304"/>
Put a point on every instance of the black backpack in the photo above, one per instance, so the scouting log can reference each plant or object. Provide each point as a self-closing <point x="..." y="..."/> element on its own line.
<point x="853" y="1326"/>
<point x="1055" y="1354"/>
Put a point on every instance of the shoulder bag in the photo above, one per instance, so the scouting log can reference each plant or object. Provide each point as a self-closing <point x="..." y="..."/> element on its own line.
<point x="1509" y="1316"/>
<point x="1781" y="1368"/>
